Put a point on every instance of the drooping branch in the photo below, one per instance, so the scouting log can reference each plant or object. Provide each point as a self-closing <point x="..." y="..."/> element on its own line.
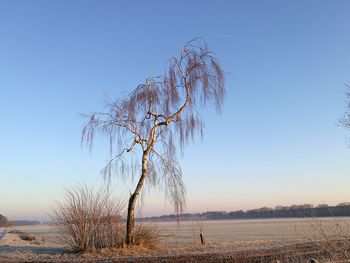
<point x="345" y="121"/>
<point x="173" y="183"/>
<point x="160" y="115"/>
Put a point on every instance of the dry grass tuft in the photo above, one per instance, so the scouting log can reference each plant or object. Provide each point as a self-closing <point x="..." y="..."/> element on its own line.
<point x="23" y="236"/>
<point x="331" y="237"/>
<point x="89" y="220"/>
<point x="147" y="243"/>
<point x="147" y="236"/>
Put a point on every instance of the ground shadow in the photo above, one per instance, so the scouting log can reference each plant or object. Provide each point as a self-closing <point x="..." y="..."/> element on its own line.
<point x="33" y="249"/>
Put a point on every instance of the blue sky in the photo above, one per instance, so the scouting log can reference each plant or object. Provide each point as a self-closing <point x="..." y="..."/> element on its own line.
<point x="276" y="142"/>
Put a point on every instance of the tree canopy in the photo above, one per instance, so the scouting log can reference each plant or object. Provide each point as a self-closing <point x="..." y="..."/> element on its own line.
<point x="157" y="118"/>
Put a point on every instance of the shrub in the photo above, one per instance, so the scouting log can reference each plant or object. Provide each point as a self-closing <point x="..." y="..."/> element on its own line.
<point x="89" y="220"/>
<point x="147" y="236"/>
<point x="4" y="222"/>
<point x="332" y="237"/>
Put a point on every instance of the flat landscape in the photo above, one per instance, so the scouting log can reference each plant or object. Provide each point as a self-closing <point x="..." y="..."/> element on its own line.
<point x="120" y="117"/>
<point x="223" y="237"/>
<point x="222" y="231"/>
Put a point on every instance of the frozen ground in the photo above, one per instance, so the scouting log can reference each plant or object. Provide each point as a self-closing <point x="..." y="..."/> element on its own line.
<point x="223" y="239"/>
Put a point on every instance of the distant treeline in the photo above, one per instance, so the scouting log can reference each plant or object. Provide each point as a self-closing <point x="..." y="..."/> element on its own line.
<point x="305" y="210"/>
<point x="24" y="223"/>
<point x="3" y="221"/>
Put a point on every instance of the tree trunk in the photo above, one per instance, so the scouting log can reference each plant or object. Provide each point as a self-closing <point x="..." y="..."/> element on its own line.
<point x="130" y="221"/>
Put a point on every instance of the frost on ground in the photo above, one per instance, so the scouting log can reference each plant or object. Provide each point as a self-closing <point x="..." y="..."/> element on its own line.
<point x="17" y="246"/>
<point x="181" y="243"/>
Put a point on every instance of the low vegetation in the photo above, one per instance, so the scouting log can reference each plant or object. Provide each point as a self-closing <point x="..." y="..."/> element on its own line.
<point x="92" y="220"/>
<point x="89" y="220"/>
<point x="22" y="235"/>
<point x="147" y="236"/>
<point x="331" y="237"/>
<point x="4" y="222"/>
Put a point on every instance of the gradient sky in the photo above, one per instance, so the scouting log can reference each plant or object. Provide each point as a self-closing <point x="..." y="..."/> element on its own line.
<point x="276" y="143"/>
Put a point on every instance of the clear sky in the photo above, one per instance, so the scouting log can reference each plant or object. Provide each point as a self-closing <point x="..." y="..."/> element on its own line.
<point x="276" y="143"/>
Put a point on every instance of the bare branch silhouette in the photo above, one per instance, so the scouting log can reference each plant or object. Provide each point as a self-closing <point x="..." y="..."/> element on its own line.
<point x="159" y="116"/>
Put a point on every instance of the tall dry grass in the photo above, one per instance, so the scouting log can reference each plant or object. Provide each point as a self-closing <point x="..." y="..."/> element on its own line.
<point x="89" y="220"/>
<point x="147" y="236"/>
<point x="198" y="228"/>
<point x="331" y="237"/>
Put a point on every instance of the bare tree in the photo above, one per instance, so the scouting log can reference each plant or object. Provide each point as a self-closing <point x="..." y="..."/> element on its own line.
<point x="155" y="119"/>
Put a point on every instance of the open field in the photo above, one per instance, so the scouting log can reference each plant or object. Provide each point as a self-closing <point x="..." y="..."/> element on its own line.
<point x="221" y="231"/>
<point x="222" y="238"/>
<point x="232" y="231"/>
